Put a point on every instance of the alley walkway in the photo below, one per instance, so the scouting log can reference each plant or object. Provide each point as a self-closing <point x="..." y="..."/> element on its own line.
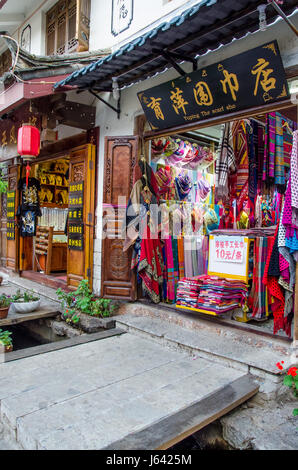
<point x="120" y="392"/>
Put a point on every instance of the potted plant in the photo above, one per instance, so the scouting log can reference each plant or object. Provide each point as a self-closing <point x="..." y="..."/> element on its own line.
<point x="5" y="301"/>
<point x="25" y="302"/>
<point x="5" y="340"/>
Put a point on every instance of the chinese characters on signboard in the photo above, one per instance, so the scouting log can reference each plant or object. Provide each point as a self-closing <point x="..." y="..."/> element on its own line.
<point x="10" y="224"/>
<point x="122" y="15"/>
<point x="253" y="78"/>
<point x="75" y="216"/>
<point x="229" y="250"/>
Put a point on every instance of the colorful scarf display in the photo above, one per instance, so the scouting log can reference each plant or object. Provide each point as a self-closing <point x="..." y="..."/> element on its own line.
<point x="258" y="297"/>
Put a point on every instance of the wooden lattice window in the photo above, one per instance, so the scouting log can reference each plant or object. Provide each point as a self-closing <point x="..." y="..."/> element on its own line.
<point x="68" y="24"/>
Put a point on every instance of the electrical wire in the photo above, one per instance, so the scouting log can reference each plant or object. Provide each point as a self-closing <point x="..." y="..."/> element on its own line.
<point x="13" y="66"/>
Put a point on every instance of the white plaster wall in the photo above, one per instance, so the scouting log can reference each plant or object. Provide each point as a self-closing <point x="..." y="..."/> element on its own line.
<point x="130" y="106"/>
<point x="146" y="15"/>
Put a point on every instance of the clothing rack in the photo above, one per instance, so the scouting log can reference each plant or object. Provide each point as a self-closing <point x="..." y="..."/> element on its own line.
<point x="259" y="122"/>
<point x="194" y="141"/>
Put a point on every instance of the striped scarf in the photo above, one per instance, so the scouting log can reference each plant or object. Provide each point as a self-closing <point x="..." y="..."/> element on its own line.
<point x="279" y="177"/>
<point x="225" y="162"/>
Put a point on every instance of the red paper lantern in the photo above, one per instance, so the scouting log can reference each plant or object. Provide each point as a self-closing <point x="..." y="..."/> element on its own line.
<point x="28" y="145"/>
<point x="28" y="141"/>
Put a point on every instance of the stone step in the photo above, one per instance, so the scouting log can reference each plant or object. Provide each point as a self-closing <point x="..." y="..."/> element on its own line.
<point x="249" y="352"/>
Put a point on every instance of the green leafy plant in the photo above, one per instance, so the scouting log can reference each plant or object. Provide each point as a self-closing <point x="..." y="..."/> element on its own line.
<point x="291" y="381"/>
<point x="5" y="337"/>
<point x="3" y="184"/>
<point x="5" y="301"/>
<point x="26" y="296"/>
<point x="82" y="300"/>
<point x="102" y="308"/>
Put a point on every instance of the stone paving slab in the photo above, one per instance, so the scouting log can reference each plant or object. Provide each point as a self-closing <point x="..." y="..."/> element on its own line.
<point x="243" y="350"/>
<point x="48" y="307"/>
<point x="93" y="394"/>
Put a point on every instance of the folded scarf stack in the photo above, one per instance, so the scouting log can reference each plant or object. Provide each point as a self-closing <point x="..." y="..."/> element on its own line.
<point x="218" y="295"/>
<point x="187" y="292"/>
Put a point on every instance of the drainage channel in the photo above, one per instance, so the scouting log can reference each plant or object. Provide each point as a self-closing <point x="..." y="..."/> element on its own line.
<point x="34" y="337"/>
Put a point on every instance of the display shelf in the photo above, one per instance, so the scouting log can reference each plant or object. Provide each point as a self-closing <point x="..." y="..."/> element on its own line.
<point x="54" y="185"/>
<point x="198" y="310"/>
<point x="54" y="205"/>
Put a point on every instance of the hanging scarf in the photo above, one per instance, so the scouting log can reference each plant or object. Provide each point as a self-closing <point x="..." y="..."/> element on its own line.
<point x="294" y="175"/>
<point x="183" y="186"/>
<point x="170" y="270"/>
<point x="271" y="130"/>
<point x="279" y="176"/>
<point x="257" y="300"/>
<point x="150" y="266"/>
<point x="163" y="178"/>
<point x="176" y="262"/>
<point x="271" y="281"/>
<point x="225" y="162"/>
<point x="180" y="257"/>
<point x="240" y="180"/>
<point x="253" y="176"/>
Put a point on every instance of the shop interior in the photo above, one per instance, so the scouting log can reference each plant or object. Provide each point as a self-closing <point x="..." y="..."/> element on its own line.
<point x="216" y="252"/>
<point x="42" y="219"/>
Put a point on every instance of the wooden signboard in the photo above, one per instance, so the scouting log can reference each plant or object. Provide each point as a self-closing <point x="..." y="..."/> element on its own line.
<point x="11" y="206"/>
<point x="75" y="216"/>
<point x="252" y="78"/>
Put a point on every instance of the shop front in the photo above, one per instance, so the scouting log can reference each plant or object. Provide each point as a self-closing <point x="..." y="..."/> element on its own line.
<point x="193" y="209"/>
<point x="207" y="219"/>
<point x="49" y="216"/>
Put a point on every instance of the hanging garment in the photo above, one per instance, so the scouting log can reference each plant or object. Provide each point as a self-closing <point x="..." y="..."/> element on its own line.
<point x="225" y="163"/>
<point x="271" y="130"/>
<point x="187" y="256"/>
<point x="176" y="262"/>
<point x="180" y="257"/>
<point x="130" y="228"/>
<point x="239" y="181"/>
<point x="257" y="300"/>
<point x="252" y="132"/>
<point x="279" y="170"/>
<point x="170" y="270"/>
<point x="271" y="277"/>
<point x="150" y="265"/>
<point x="143" y="171"/>
<point x="183" y="186"/>
<point x="260" y="153"/>
<point x="29" y="208"/>
<point x="294" y="175"/>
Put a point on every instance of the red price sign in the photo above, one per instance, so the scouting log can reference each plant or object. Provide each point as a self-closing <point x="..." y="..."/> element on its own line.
<point x="229" y="249"/>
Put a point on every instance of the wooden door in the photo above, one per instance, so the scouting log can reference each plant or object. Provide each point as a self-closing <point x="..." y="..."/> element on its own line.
<point x="12" y="244"/>
<point x="118" y="281"/>
<point x="82" y="179"/>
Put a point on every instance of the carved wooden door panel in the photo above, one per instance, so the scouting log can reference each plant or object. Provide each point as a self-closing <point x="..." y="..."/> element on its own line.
<point x="81" y="224"/>
<point x="118" y="281"/>
<point x="12" y="243"/>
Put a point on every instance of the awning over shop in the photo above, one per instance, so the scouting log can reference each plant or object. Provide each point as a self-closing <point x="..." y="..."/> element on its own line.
<point x="194" y="32"/>
<point x="19" y="92"/>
